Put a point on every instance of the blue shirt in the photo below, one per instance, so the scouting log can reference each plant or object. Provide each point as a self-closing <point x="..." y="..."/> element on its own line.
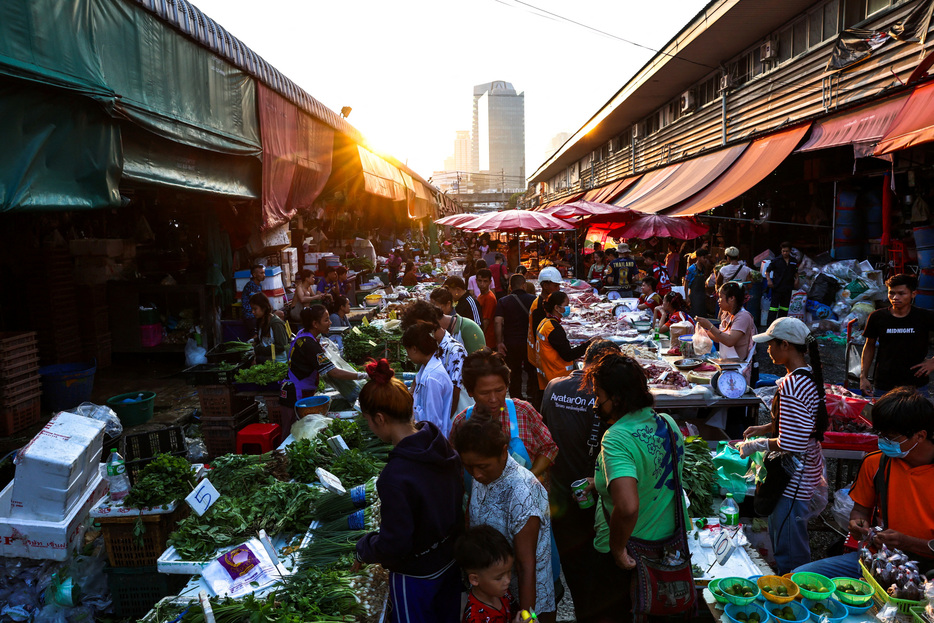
<point x="624" y="271"/>
<point x="249" y="290"/>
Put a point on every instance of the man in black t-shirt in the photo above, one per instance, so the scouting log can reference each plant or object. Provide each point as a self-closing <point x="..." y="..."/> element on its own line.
<point x="466" y="304"/>
<point x="511" y="321"/>
<point x="782" y="278"/>
<point x="902" y="332"/>
<point x="571" y="417"/>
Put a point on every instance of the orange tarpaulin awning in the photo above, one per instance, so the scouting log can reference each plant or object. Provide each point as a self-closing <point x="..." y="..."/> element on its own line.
<point x="759" y="159"/>
<point x="381" y="178"/>
<point x="606" y="194"/>
<point x="685" y="179"/>
<point x="863" y="126"/>
<point x="914" y="125"/>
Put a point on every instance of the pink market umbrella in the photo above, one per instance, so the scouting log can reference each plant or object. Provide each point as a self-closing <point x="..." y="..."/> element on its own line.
<point x="586" y="209"/>
<point x="456" y="220"/>
<point x="658" y="225"/>
<point x="516" y="221"/>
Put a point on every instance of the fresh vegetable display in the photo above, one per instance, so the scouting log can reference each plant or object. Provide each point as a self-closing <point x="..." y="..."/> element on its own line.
<point x="264" y="373"/>
<point x="165" y="479"/>
<point x="698" y="476"/>
<point x="331" y="505"/>
<point x="354" y="467"/>
<point x="362" y="343"/>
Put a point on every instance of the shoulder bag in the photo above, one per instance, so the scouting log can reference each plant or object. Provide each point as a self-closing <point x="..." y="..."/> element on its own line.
<point x="663" y="583"/>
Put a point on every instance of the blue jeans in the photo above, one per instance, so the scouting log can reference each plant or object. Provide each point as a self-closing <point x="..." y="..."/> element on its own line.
<point x="788" y="529"/>
<point x="844" y="566"/>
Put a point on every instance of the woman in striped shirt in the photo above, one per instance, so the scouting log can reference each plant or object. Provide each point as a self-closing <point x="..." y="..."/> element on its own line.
<point x="799" y="419"/>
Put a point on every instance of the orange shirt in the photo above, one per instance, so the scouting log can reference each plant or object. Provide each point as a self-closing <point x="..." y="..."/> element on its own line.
<point x="487" y="304"/>
<point x="910" y="497"/>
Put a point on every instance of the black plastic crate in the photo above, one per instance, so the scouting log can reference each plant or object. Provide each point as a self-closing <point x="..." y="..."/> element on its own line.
<point x="211" y="374"/>
<point x="135" y="590"/>
<point x="140" y="449"/>
<point x="222" y="354"/>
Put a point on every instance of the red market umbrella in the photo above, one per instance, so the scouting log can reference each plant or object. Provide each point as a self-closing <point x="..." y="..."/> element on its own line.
<point x="658" y="225"/>
<point x="456" y="220"/>
<point x="586" y="209"/>
<point x="516" y="221"/>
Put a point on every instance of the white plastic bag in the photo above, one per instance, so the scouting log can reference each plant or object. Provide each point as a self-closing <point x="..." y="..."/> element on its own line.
<point x="818" y="501"/>
<point x="309" y="426"/>
<point x="241" y="571"/>
<point x="349" y="390"/>
<point x="702" y="342"/>
<point x="194" y="354"/>
<point x="842" y="506"/>
<point x="113" y="426"/>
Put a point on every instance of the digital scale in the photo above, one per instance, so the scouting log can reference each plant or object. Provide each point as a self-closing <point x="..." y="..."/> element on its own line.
<point x="729" y="382"/>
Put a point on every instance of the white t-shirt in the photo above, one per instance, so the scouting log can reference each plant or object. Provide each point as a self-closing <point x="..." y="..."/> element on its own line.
<point x="433" y="394"/>
<point x="739" y="272"/>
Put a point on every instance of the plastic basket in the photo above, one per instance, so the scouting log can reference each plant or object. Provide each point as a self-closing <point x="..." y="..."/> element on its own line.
<point x="140" y="449"/>
<point x="124" y="549"/>
<point x="219" y="402"/>
<point x="774" y="581"/>
<point x="904" y="606"/>
<point x="732" y="610"/>
<point x="801" y="613"/>
<point x="22" y="363"/>
<point x="135" y="591"/>
<point x="714" y="588"/>
<point x="812" y="579"/>
<point x="20" y="415"/>
<point x="210" y="374"/>
<point x="220" y="437"/>
<point x="917" y="615"/>
<point x="13" y="391"/>
<point x="733" y="599"/>
<point x="838" y="611"/>
<point x="12" y="344"/>
<point x="229" y="353"/>
<point x="848" y="599"/>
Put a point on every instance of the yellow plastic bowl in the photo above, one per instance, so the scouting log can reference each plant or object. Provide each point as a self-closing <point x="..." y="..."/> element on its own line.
<point x="774" y="581"/>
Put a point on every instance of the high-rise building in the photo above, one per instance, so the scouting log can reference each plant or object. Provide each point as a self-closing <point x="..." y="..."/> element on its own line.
<point x="462" y="151"/>
<point x="498" y="138"/>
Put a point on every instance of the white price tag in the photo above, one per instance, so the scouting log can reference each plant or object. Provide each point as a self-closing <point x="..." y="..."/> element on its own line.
<point x="330" y="481"/>
<point x="204" y="495"/>
<point x="723" y="547"/>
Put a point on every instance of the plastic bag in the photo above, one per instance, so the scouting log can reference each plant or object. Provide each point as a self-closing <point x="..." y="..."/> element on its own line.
<point x="888" y="614"/>
<point x="842" y="506"/>
<point x="194" y="354"/>
<point x="241" y="571"/>
<point x="197" y="451"/>
<point x="797" y="306"/>
<point x="731" y="471"/>
<point x="309" y="426"/>
<point x="702" y="342"/>
<point x="112" y="425"/>
<point x="818" y="500"/>
<point x="349" y="390"/>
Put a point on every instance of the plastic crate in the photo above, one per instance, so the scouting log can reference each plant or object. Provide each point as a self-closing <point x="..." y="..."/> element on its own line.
<point x="124" y="549"/>
<point x="16" y="417"/>
<point x="140" y="449"/>
<point x="863" y="442"/>
<point x="220" y="402"/>
<point x="12" y="344"/>
<point x="13" y="391"/>
<point x="904" y="606"/>
<point x="223" y="354"/>
<point x="220" y="437"/>
<point x="210" y="374"/>
<point x="135" y="591"/>
<point x="25" y="362"/>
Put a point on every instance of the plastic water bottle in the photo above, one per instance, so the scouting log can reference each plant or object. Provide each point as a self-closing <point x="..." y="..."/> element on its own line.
<point x="729" y="511"/>
<point x="116" y="476"/>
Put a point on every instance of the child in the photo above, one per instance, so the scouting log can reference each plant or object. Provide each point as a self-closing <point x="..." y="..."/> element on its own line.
<point x="673" y="309"/>
<point x="649" y="299"/>
<point x="486" y="556"/>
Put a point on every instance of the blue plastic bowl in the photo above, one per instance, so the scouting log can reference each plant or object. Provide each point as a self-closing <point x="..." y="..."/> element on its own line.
<point x="837" y="614"/>
<point x="732" y="610"/>
<point x="858" y="609"/>
<point x="801" y="613"/>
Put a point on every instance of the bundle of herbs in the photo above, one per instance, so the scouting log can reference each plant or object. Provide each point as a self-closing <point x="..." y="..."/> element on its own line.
<point x="264" y="373"/>
<point x="357" y="434"/>
<point x="274" y="608"/>
<point x="354" y="467"/>
<point x="305" y="455"/>
<point x="362" y="343"/>
<point x="332" y="504"/>
<point x="165" y="479"/>
<point x="328" y="548"/>
<point x="698" y="476"/>
<point x="241" y="474"/>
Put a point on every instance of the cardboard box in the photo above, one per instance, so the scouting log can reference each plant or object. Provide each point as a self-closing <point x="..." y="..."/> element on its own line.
<point x="47" y="540"/>
<point x="65" y="452"/>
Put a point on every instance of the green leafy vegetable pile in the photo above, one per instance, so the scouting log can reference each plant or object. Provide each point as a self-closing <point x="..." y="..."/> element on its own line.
<point x="354" y="467"/>
<point x="165" y="479"/>
<point x="263" y="373"/>
<point x="362" y="343"/>
<point x="698" y="476"/>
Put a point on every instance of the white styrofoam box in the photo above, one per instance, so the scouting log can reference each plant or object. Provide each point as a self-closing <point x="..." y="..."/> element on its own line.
<point x="59" y="454"/>
<point x="272" y="282"/>
<point x="47" y="540"/>
<point x="53" y="504"/>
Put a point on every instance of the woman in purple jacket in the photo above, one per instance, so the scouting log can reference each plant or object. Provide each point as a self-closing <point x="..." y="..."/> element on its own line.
<point x="421" y="491"/>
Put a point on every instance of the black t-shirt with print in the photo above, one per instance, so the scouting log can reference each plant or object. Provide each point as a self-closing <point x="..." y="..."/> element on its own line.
<point x="903" y="343"/>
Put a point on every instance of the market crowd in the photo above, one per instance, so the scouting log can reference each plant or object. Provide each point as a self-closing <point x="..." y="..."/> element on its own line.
<point x="498" y="486"/>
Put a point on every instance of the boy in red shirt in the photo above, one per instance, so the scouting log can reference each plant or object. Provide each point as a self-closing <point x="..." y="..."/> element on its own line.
<point x="486" y="556"/>
<point x="487" y="303"/>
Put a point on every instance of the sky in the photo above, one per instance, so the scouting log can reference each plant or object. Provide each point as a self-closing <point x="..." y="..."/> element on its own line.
<point x="407" y="68"/>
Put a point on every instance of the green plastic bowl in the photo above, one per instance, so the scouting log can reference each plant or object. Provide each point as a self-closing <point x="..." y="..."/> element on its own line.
<point x="848" y="599"/>
<point x="714" y="588"/>
<point x="814" y="579"/>
<point x="739" y="601"/>
<point x="133" y="408"/>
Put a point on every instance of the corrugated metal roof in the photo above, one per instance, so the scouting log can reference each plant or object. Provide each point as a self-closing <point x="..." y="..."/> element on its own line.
<point x="192" y="22"/>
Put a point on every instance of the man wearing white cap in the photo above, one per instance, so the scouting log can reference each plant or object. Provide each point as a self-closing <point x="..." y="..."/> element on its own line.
<point x="735" y="270"/>
<point x="622" y="271"/>
<point x="550" y="281"/>
<point x="791" y="442"/>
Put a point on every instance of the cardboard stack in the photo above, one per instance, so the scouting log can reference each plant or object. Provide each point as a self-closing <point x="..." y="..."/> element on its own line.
<point x="58" y="479"/>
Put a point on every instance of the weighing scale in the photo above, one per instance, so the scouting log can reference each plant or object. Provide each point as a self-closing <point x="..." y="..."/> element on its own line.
<point x="729" y="382"/>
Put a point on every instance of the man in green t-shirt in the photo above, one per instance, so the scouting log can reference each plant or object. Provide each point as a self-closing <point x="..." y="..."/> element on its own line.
<point x="638" y="446"/>
<point x="462" y="329"/>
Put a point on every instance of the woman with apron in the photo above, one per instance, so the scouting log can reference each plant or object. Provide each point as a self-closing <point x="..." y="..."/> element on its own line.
<point x="307" y="359"/>
<point x="272" y="336"/>
<point x="734" y="335"/>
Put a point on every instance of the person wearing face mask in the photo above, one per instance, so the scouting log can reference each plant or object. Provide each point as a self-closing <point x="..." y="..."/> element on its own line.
<point x="555" y="355"/>
<point x="893" y="489"/>
<point x="799" y="419"/>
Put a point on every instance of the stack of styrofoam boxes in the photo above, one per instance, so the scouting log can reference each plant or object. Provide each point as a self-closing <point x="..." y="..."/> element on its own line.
<point x="20" y="389"/>
<point x="273" y="287"/>
<point x="58" y="479"/>
<point x="288" y="260"/>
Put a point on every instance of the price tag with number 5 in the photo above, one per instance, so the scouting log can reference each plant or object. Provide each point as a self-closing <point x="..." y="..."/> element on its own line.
<point x="202" y="497"/>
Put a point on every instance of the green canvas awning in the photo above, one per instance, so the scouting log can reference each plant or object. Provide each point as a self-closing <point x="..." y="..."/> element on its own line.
<point x="60" y="151"/>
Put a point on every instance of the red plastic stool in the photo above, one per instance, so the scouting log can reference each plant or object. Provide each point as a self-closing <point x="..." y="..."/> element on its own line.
<point x="259" y="439"/>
